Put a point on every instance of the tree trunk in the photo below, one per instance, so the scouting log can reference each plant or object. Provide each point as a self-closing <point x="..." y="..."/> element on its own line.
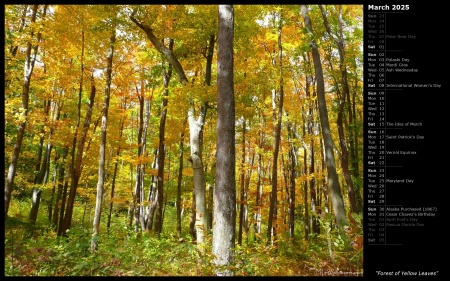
<point x="51" y="202"/>
<point x="102" y="152"/>
<point x="224" y="223"/>
<point x="161" y="149"/>
<point x="76" y="173"/>
<point x="30" y="59"/>
<point x="354" y="144"/>
<point x="64" y="223"/>
<point x="60" y="227"/>
<point x="242" y="202"/>
<point x="333" y="181"/>
<point x="292" y="158"/>
<point x="59" y="193"/>
<point x="180" y="177"/>
<point x="38" y="177"/>
<point x="209" y="206"/>
<point x="326" y="199"/>
<point x="246" y="188"/>
<point x="192" y="230"/>
<point x="43" y="167"/>
<point x="259" y="181"/>
<point x="245" y="221"/>
<point x="52" y="195"/>
<point x="35" y="201"/>
<point x="340" y="43"/>
<point x="315" y="227"/>
<point x="113" y="184"/>
<point x="152" y="195"/>
<point x="140" y="167"/>
<point x="208" y="71"/>
<point x="278" y="110"/>
<point x="353" y="147"/>
<point x="39" y="157"/>
<point x="195" y="129"/>
<point x="306" y="225"/>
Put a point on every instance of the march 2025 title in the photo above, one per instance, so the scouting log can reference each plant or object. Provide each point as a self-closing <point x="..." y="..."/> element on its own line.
<point x="388" y="7"/>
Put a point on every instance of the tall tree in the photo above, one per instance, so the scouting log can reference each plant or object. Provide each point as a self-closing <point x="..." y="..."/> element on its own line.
<point x="209" y="54"/>
<point x="59" y="201"/>
<point x="180" y="177"/>
<point x="277" y="100"/>
<point x="195" y="132"/>
<point x="31" y="52"/>
<point x="333" y="181"/>
<point x="224" y="222"/>
<point x="344" y="156"/>
<point x="260" y="177"/>
<point x="42" y="171"/>
<point x="138" y="195"/>
<point x="102" y="152"/>
<point x="79" y="136"/>
<point x="18" y="25"/>
<point x="162" y="147"/>
<point x="113" y="184"/>
<point x="292" y="156"/>
<point x="77" y="166"/>
<point x="242" y="200"/>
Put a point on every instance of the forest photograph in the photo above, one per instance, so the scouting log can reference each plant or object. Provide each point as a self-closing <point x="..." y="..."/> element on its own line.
<point x="183" y="140"/>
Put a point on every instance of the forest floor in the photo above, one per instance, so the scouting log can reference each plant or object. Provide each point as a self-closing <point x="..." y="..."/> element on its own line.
<point x="36" y="250"/>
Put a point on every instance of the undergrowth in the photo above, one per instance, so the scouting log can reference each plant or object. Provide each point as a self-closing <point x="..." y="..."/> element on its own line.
<point x="36" y="250"/>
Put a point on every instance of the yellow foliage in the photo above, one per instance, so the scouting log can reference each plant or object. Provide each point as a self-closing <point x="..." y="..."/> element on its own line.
<point x="119" y="200"/>
<point x="152" y="172"/>
<point x="188" y="172"/>
<point x="143" y="159"/>
<point x="155" y="142"/>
